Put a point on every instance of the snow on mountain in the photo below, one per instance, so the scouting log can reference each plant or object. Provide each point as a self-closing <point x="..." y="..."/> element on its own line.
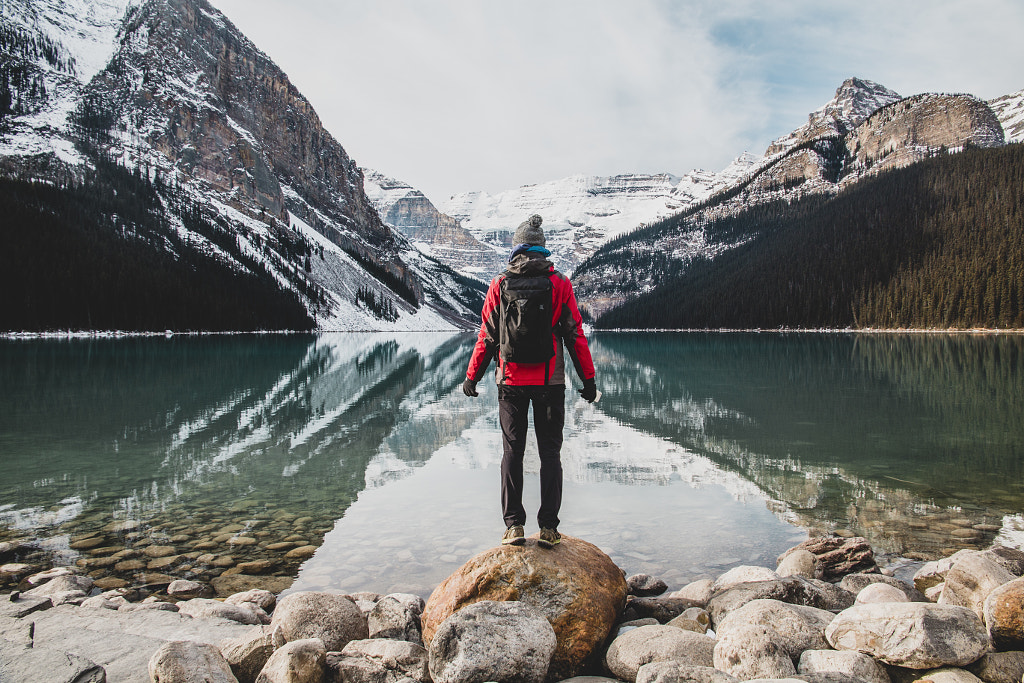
<point x="1010" y="111"/>
<point x="582" y="212"/>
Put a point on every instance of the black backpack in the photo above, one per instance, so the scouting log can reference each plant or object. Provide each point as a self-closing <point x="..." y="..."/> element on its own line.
<point x="525" y="321"/>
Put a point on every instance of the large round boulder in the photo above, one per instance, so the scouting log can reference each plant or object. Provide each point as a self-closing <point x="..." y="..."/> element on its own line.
<point x="574" y="585"/>
<point x="505" y="642"/>
<point x="1004" y="615"/>
<point x="657" y="643"/>
<point x="334" y="619"/>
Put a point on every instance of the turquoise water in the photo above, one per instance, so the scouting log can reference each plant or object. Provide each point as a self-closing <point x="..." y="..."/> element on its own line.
<point x="353" y="461"/>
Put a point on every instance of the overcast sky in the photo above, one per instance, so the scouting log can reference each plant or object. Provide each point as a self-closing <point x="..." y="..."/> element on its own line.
<point x="459" y="95"/>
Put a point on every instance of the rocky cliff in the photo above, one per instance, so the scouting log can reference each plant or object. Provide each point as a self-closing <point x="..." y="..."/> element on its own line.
<point x="1010" y="111"/>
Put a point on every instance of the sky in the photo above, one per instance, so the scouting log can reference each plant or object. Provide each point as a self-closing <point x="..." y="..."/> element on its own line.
<point x="454" y="96"/>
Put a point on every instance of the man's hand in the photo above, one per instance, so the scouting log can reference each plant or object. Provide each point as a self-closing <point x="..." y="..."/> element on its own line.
<point x="469" y="387"/>
<point x="589" y="390"/>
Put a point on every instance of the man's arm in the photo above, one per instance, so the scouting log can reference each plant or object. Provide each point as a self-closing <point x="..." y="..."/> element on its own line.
<point x="570" y="328"/>
<point x="486" y="347"/>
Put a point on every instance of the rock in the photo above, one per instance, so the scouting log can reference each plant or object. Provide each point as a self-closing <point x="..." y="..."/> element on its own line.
<point x="186" y="590"/>
<point x="184" y="661"/>
<point x="970" y="581"/>
<point x="855" y="583"/>
<point x="797" y="628"/>
<point x="41" y="665"/>
<point x="695" y="619"/>
<point x="155" y="551"/>
<point x="224" y="586"/>
<point x="23" y="605"/>
<point x="933" y="573"/>
<point x="493" y="641"/>
<point x="878" y="593"/>
<point x="379" y="661"/>
<point x="1000" y="667"/>
<point x="800" y="562"/>
<point x="1003" y="613"/>
<point x="753" y="651"/>
<point x="792" y="589"/>
<point x="1010" y="559"/>
<point x="263" y="599"/>
<point x="334" y="619"/>
<point x="662" y="608"/>
<point x="42" y="577"/>
<point x="628" y="652"/>
<point x="62" y="584"/>
<point x="301" y="553"/>
<point x="148" y="606"/>
<point x="247" y="655"/>
<point x="300" y="661"/>
<point x="68" y="598"/>
<point x="109" y="583"/>
<point x="99" y="602"/>
<point x="942" y="675"/>
<point x="836" y="557"/>
<point x="645" y="586"/>
<point x="698" y="592"/>
<point x="678" y="672"/>
<point x="855" y="664"/>
<point x="575" y="585"/>
<point x="397" y="616"/>
<point x="246" y="613"/>
<point x="15" y="571"/>
<point x="915" y="635"/>
<point x="17" y="631"/>
<point x="743" y="574"/>
<point x="256" y="567"/>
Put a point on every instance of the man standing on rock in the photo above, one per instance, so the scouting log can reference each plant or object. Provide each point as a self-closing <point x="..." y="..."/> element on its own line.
<point x="528" y="309"/>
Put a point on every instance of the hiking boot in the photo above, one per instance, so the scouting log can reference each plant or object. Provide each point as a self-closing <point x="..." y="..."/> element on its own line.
<point x="549" y="538"/>
<point x="514" y="535"/>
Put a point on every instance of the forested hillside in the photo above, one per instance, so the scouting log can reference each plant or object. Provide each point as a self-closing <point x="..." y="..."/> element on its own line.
<point x="939" y="244"/>
<point x="100" y="253"/>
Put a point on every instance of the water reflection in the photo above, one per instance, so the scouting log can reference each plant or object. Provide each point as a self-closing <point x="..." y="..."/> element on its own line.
<point x="354" y="462"/>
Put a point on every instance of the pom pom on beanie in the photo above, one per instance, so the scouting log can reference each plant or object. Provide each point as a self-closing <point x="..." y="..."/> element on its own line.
<point x="530" y="232"/>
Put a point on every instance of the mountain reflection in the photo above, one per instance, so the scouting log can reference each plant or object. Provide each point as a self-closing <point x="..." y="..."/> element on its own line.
<point x="911" y="440"/>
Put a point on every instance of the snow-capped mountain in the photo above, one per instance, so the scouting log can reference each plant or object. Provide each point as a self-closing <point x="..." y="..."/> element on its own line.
<point x="172" y="87"/>
<point x="582" y="212"/>
<point x="1010" y="110"/>
<point x="865" y="129"/>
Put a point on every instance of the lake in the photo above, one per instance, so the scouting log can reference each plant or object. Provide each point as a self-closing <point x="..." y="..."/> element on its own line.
<point x="354" y="462"/>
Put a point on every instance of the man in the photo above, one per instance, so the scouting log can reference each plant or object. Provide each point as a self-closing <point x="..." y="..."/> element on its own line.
<point x="523" y="332"/>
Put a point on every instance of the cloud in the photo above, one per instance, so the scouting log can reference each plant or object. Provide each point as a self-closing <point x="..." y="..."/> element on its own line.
<point x="459" y="95"/>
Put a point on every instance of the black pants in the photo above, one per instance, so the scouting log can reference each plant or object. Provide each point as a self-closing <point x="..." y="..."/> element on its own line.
<point x="548" y="419"/>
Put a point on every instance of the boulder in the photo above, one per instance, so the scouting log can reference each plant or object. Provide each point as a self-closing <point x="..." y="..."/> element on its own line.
<point x="695" y="619"/>
<point x="379" y="660"/>
<point x="246" y="613"/>
<point x="679" y="672"/>
<point x="915" y="635"/>
<point x="397" y="616"/>
<point x="847" y="662"/>
<point x="20" y="662"/>
<point x="185" y="661"/>
<point x="1000" y="667"/>
<point x="15" y="606"/>
<point x="334" y="619"/>
<point x="186" y="590"/>
<point x="970" y="581"/>
<point x="574" y="585"/>
<point x="797" y="627"/>
<point x="247" y="655"/>
<point x="505" y="642"/>
<point x="792" y="589"/>
<point x="148" y="606"/>
<point x="645" y="586"/>
<point x="697" y="592"/>
<point x="100" y="602"/>
<point x="878" y="593"/>
<point x="743" y="574"/>
<point x="1010" y="559"/>
<point x="941" y="675"/>
<point x="263" y="599"/>
<point x="835" y="557"/>
<point x="300" y="661"/>
<point x="662" y="608"/>
<point x="800" y="562"/>
<point x="933" y="573"/>
<point x="1003" y="613"/>
<point x="39" y="578"/>
<point x="630" y="651"/>
<point x="62" y="583"/>
<point x="855" y="583"/>
<point x="753" y="651"/>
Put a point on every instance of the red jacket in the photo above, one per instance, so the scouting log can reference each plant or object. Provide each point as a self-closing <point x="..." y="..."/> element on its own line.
<point x="566" y="324"/>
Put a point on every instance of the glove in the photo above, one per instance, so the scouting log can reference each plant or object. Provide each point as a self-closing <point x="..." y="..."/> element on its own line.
<point x="469" y="387"/>
<point x="589" y="390"/>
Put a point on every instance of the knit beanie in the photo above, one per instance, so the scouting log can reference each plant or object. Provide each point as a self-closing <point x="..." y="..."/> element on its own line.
<point x="529" y="232"/>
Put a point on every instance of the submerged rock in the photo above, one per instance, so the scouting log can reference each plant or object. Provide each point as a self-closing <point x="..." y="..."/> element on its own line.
<point x="836" y="557"/>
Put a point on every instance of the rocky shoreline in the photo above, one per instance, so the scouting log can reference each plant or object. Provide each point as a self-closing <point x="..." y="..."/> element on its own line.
<point x="825" y="614"/>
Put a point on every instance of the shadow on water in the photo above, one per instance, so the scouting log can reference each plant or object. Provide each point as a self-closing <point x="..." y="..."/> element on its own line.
<point x="914" y="441"/>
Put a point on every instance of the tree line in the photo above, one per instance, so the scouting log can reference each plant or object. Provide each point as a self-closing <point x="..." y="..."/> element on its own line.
<point x="939" y="244"/>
